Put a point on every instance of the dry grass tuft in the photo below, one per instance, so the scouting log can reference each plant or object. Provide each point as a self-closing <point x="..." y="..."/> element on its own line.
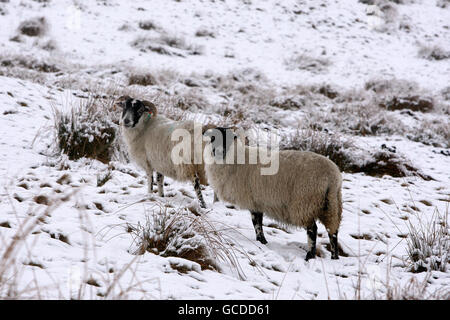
<point x="336" y="148"/>
<point x="443" y="3"/>
<point x="142" y="79"/>
<point x="309" y="63"/>
<point x="429" y="243"/>
<point x="148" y="25"/>
<point x="415" y="290"/>
<point x="432" y="132"/>
<point x="90" y="129"/>
<point x="27" y="62"/>
<point x="34" y="27"/>
<point x="413" y="103"/>
<point x="433" y="53"/>
<point x="205" y="32"/>
<point x="348" y="157"/>
<point x="179" y="233"/>
<point x="167" y="45"/>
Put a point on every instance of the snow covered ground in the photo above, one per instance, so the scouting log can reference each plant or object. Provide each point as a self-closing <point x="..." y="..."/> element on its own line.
<point x="80" y="238"/>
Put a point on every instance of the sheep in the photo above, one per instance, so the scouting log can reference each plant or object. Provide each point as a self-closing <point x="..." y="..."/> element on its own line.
<point x="148" y="136"/>
<point x="306" y="187"/>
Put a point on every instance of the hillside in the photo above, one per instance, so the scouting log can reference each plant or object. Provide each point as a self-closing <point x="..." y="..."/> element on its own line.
<point x="367" y="86"/>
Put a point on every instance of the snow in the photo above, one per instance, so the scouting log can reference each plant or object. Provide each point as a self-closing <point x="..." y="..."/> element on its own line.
<point x="82" y="234"/>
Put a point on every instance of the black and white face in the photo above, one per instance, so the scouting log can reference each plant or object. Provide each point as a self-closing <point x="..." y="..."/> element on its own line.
<point x="133" y="110"/>
<point x="221" y="140"/>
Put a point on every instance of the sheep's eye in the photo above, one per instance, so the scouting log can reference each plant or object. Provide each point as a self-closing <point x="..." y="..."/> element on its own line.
<point x="213" y="138"/>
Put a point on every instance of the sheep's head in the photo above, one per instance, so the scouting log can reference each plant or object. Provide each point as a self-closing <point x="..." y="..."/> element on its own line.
<point x="221" y="140"/>
<point x="134" y="110"/>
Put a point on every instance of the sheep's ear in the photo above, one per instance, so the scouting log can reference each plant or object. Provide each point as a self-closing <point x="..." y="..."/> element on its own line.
<point x="150" y="107"/>
<point x="121" y="102"/>
<point x="208" y="126"/>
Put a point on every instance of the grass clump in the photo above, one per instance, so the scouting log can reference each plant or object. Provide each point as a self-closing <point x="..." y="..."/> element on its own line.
<point x="142" y="79"/>
<point x="433" y="53"/>
<point x="88" y="130"/>
<point x="336" y="148"/>
<point x="308" y="63"/>
<point x="443" y="4"/>
<point x="27" y="62"/>
<point x="102" y="179"/>
<point x="413" y="103"/>
<point x="34" y="27"/>
<point x="148" y="25"/>
<point x="167" y="45"/>
<point x="205" y="33"/>
<point x="432" y="132"/>
<point x="179" y="233"/>
<point x="428" y="243"/>
<point x="348" y="157"/>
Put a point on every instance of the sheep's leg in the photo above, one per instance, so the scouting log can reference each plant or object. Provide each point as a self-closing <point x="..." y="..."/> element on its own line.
<point x="334" y="245"/>
<point x="216" y="198"/>
<point x="198" y="191"/>
<point x="257" y="219"/>
<point x="160" y="183"/>
<point x="150" y="181"/>
<point x="311" y="231"/>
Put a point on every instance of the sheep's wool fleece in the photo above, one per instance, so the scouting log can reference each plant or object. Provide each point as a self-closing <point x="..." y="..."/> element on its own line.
<point x="150" y="145"/>
<point x="306" y="184"/>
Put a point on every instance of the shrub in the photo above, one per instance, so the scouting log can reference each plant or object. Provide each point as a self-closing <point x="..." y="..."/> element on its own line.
<point x="34" y="27"/>
<point x="90" y="130"/>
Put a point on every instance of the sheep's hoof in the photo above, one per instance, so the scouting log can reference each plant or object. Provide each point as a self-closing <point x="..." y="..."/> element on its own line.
<point x="310" y="255"/>
<point x="335" y="257"/>
<point x="262" y="240"/>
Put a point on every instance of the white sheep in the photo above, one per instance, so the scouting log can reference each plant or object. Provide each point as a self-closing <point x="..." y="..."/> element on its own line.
<point x="306" y="187"/>
<point x="149" y="139"/>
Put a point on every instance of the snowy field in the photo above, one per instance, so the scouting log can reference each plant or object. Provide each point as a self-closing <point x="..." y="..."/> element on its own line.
<point x="368" y="86"/>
